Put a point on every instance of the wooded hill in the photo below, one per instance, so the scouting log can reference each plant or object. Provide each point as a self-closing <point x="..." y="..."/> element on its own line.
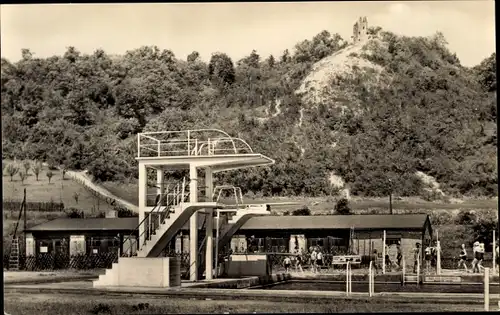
<point x="420" y="111"/>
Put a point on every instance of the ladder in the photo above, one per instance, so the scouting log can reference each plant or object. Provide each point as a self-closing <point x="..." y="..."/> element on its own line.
<point x="14" y="254"/>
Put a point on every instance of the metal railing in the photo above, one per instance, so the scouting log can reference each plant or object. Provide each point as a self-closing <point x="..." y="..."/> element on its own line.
<point x="197" y="142"/>
<point x="177" y="193"/>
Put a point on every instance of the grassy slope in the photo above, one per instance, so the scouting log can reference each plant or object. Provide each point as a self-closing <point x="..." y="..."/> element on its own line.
<point x="42" y="191"/>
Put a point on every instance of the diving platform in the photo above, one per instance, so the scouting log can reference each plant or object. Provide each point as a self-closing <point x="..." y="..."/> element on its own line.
<point x="165" y="206"/>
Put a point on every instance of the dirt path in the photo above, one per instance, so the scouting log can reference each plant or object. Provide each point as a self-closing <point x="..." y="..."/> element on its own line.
<point x="83" y="179"/>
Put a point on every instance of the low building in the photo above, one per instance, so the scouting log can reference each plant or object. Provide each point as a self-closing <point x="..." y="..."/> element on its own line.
<point x="82" y="236"/>
<point x="335" y="234"/>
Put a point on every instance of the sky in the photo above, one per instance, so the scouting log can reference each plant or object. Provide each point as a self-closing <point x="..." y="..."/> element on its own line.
<point x="237" y="28"/>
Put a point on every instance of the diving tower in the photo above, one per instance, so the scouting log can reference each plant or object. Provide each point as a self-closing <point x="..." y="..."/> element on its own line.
<point x="207" y="150"/>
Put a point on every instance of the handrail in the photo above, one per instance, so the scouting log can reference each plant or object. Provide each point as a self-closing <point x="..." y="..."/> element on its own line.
<point x="194" y="144"/>
<point x="174" y="191"/>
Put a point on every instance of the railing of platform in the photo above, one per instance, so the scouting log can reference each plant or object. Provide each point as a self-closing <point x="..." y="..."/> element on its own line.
<point x="198" y="142"/>
<point x="177" y="195"/>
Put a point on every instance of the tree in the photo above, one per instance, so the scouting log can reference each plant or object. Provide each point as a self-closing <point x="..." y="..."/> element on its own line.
<point x="12" y="170"/>
<point x="22" y="176"/>
<point x="342" y="207"/>
<point x="27" y="166"/>
<point x="192" y="57"/>
<point x="221" y="70"/>
<point x="37" y="168"/>
<point x="49" y="175"/>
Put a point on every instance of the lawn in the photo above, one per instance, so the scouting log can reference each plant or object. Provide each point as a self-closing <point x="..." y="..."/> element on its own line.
<point x="52" y="304"/>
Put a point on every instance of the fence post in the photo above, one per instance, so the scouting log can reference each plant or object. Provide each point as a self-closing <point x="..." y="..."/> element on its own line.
<point x="370" y="278"/>
<point x="404" y="269"/>
<point x="348" y="279"/>
<point x="384" y="253"/>
<point x="486" y="289"/>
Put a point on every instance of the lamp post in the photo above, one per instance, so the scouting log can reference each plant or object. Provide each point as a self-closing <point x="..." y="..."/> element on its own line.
<point x="390" y="196"/>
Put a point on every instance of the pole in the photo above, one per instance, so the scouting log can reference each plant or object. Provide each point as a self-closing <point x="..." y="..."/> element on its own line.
<point x="390" y="202"/>
<point x="24" y="202"/>
<point x="347" y="279"/>
<point x="494" y="253"/>
<point x="390" y="196"/>
<point x="487" y="289"/>
<point x="217" y="245"/>
<point x="384" y="253"/>
<point x="438" y="258"/>
<point x="404" y="269"/>
<point x="370" y="279"/>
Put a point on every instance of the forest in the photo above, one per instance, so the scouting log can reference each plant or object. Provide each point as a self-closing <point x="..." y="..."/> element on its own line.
<point x="83" y="111"/>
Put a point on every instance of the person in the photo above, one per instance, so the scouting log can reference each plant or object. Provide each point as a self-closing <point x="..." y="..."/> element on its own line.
<point x="298" y="263"/>
<point x="399" y="254"/>
<point x="314" y="257"/>
<point x="319" y="260"/>
<point x="416" y="257"/>
<point x="387" y="259"/>
<point x="374" y="260"/>
<point x="481" y="256"/>
<point x="427" y="257"/>
<point x="287" y="262"/>
<point x="475" y="250"/>
<point x="434" y="250"/>
<point x="463" y="258"/>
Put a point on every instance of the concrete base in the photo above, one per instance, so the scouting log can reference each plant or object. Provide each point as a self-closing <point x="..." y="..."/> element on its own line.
<point x="161" y="272"/>
<point x="247" y="266"/>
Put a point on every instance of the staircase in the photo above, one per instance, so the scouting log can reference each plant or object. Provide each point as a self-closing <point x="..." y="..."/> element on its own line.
<point x="172" y="217"/>
<point x="234" y="224"/>
<point x="14" y="254"/>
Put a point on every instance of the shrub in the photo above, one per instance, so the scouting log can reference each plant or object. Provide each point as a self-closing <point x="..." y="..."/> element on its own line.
<point x="49" y="174"/>
<point x="342" y="207"/>
<point x="12" y="170"/>
<point x="22" y="176"/>
<point x="27" y="166"/>
<point x="37" y="167"/>
<point x="466" y="217"/>
<point x="74" y="213"/>
<point x="302" y="211"/>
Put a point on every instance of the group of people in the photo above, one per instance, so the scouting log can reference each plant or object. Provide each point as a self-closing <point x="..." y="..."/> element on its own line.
<point x="316" y="260"/>
<point x="478" y="254"/>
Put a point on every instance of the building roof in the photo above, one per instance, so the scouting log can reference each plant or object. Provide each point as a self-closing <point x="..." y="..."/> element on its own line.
<point x="365" y="221"/>
<point x="88" y="224"/>
<point x="375" y="221"/>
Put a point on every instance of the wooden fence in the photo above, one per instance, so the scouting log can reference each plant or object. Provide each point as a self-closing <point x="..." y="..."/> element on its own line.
<point x="11" y="205"/>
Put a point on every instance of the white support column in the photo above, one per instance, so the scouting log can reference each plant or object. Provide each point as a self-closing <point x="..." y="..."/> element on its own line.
<point x="210" y="226"/>
<point x="143" y="179"/>
<point x="193" y="225"/>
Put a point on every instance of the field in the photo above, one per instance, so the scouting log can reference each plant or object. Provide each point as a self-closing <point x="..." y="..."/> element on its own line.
<point x="129" y="192"/>
<point x="58" y="190"/>
<point x="48" y="304"/>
